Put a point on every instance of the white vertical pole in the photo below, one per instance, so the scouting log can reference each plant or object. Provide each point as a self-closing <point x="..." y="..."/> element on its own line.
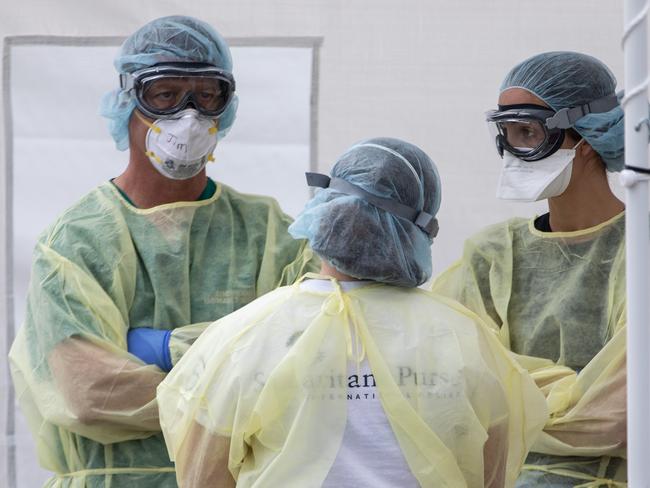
<point x="637" y="243"/>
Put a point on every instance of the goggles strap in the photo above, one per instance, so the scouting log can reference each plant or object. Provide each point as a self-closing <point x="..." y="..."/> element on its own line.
<point x="565" y="118"/>
<point x="126" y="81"/>
<point x="425" y="221"/>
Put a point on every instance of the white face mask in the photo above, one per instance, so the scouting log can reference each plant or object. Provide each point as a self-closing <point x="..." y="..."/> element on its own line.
<point x="530" y="181"/>
<point x="179" y="148"/>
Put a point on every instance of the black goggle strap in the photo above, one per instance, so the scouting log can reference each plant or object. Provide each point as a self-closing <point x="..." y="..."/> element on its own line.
<point x="566" y="117"/>
<point x="425" y="221"/>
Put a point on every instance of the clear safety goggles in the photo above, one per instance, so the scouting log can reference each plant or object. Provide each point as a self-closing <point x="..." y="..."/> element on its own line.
<point x="164" y="90"/>
<point x="533" y="132"/>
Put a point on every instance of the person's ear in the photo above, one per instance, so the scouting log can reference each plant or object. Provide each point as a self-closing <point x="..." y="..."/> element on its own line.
<point x="586" y="151"/>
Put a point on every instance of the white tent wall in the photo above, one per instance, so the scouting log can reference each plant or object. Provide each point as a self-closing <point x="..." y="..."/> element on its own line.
<point x="421" y="70"/>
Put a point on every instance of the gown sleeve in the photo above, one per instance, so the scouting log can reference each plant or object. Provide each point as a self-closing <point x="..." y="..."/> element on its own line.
<point x="587" y="410"/>
<point x="69" y="361"/>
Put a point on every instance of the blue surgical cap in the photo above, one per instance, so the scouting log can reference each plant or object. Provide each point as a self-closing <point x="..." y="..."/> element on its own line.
<point x="362" y="240"/>
<point x="564" y="79"/>
<point x="173" y="39"/>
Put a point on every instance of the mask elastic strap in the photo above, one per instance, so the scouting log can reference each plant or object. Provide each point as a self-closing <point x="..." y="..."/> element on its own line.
<point x="579" y="142"/>
<point x="213" y="130"/>
<point x="153" y="127"/>
<point x="150" y="154"/>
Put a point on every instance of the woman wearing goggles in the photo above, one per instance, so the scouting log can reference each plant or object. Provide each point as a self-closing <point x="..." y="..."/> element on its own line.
<point x="553" y="286"/>
<point x="533" y="131"/>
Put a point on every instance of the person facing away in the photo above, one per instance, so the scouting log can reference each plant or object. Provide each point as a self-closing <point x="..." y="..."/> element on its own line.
<point x="125" y="280"/>
<point x="354" y="377"/>
<point x="554" y="286"/>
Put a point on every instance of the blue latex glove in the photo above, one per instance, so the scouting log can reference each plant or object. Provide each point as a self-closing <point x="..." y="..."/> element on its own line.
<point x="151" y="345"/>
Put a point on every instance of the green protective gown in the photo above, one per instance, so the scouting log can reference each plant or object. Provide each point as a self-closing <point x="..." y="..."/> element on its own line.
<point x="105" y="267"/>
<point x="558" y="301"/>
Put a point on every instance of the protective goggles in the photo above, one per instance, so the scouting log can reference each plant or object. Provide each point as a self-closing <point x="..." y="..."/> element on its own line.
<point x="164" y="90"/>
<point x="533" y="132"/>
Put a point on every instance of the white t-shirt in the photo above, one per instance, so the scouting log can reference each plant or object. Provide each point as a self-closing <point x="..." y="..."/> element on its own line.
<point x="370" y="455"/>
